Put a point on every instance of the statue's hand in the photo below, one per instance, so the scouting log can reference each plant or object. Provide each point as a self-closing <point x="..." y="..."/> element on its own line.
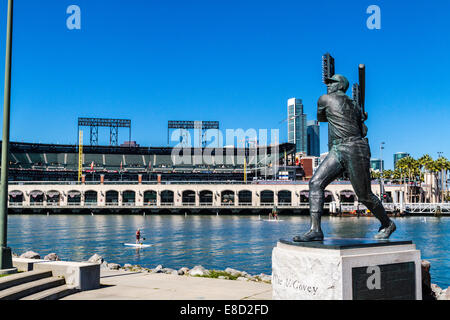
<point x="365" y="116"/>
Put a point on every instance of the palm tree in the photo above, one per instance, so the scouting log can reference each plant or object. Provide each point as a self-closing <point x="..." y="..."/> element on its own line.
<point x="446" y="168"/>
<point x="396" y="175"/>
<point x="387" y="174"/>
<point x="402" y="167"/>
<point x="375" y="174"/>
<point x="441" y="166"/>
<point x="426" y="162"/>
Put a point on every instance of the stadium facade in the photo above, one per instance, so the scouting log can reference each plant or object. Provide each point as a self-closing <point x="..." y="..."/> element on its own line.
<point x="49" y="162"/>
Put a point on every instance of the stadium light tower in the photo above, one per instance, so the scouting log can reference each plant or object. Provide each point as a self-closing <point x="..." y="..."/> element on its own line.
<point x="6" y="265"/>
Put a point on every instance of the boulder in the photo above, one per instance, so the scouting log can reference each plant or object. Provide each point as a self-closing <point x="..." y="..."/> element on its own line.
<point x="446" y="296"/>
<point x="113" y="266"/>
<point x="30" y="255"/>
<point x="198" y="271"/>
<point x="242" y="279"/>
<point x="96" y="259"/>
<point x="158" y="269"/>
<point x="233" y="272"/>
<point x="436" y="291"/>
<point x="183" y="271"/>
<point x="104" y="265"/>
<point x="52" y="257"/>
<point x="265" y="277"/>
<point x="168" y="270"/>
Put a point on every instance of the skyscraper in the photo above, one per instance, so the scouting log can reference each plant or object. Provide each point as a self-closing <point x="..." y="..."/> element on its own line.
<point x="377" y="164"/>
<point x="297" y="125"/>
<point x="313" y="134"/>
<point x="398" y="156"/>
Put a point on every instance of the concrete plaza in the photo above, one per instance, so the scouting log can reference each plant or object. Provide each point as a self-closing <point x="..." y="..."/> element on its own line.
<point x="126" y="285"/>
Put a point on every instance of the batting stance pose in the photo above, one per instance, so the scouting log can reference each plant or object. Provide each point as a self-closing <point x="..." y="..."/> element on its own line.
<point x="349" y="152"/>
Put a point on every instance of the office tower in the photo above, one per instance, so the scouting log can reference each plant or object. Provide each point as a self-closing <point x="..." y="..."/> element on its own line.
<point x="398" y="156"/>
<point x="297" y="125"/>
<point x="376" y="164"/>
<point x="313" y="138"/>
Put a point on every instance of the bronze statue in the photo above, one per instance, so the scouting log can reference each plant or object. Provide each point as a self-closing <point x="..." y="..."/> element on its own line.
<point x="349" y="152"/>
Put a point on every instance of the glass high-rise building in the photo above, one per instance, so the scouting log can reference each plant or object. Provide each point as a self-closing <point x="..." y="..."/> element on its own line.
<point x="313" y="138"/>
<point x="398" y="156"/>
<point x="376" y="164"/>
<point x="297" y="125"/>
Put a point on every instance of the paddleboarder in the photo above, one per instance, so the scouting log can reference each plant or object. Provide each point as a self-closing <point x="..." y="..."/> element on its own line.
<point x="138" y="236"/>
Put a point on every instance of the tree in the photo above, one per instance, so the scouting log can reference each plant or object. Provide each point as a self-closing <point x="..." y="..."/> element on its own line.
<point x="387" y="174"/>
<point x="375" y="174"/>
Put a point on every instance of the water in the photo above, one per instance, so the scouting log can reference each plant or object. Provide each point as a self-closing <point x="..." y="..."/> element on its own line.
<point x="216" y="242"/>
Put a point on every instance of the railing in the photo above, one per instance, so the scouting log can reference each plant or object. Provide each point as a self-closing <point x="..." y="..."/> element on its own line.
<point x="15" y="204"/>
<point x="74" y="204"/>
<point x="261" y="182"/>
<point x="128" y="204"/>
<point x="205" y="204"/>
<point x="427" y="207"/>
<point x="412" y="208"/>
<point x="227" y="204"/>
<point x="111" y="204"/>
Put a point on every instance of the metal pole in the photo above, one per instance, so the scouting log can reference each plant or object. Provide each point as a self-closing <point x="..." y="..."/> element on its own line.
<point x="5" y="253"/>
<point x="381" y="171"/>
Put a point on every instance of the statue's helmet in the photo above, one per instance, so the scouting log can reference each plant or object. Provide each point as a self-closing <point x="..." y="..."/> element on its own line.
<point x="344" y="84"/>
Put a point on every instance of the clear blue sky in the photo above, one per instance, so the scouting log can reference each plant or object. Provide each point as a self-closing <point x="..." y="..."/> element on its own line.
<point x="233" y="61"/>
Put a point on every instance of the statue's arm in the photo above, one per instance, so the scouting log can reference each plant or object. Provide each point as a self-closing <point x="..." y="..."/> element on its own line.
<point x="321" y="109"/>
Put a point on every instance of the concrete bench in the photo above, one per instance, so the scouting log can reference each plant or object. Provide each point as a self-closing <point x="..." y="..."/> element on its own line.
<point x="25" y="265"/>
<point x="81" y="275"/>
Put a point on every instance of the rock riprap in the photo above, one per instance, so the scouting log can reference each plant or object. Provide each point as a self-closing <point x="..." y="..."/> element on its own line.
<point x="30" y="255"/>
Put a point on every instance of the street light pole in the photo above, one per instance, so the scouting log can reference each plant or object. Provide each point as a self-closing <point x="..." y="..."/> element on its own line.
<point x="5" y="252"/>
<point x="381" y="171"/>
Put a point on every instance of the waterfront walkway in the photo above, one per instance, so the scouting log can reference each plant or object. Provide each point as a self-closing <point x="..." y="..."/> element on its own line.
<point x="126" y="285"/>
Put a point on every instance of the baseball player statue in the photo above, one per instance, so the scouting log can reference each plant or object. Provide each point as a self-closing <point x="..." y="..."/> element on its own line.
<point x="349" y="152"/>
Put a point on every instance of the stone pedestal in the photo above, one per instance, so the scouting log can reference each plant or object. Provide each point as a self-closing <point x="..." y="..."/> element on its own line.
<point x="346" y="269"/>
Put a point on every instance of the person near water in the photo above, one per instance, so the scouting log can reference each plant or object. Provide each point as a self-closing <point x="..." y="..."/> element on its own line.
<point x="274" y="213"/>
<point x="138" y="236"/>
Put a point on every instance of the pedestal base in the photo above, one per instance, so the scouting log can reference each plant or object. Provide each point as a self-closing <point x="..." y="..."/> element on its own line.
<point x="346" y="269"/>
<point x="5" y="258"/>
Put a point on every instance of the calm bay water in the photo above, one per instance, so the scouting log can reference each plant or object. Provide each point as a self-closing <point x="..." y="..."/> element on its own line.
<point x="216" y="242"/>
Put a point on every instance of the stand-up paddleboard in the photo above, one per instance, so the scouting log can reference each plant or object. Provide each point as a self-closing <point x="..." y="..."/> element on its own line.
<point x="272" y="220"/>
<point x="137" y="245"/>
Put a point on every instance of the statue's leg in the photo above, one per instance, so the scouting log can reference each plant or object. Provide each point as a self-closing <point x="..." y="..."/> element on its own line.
<point x="328" y="170"/>
<point x="357" y="162"/>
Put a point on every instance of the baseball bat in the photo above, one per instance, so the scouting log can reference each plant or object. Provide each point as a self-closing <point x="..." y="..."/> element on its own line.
<point x="362" y="86"/>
